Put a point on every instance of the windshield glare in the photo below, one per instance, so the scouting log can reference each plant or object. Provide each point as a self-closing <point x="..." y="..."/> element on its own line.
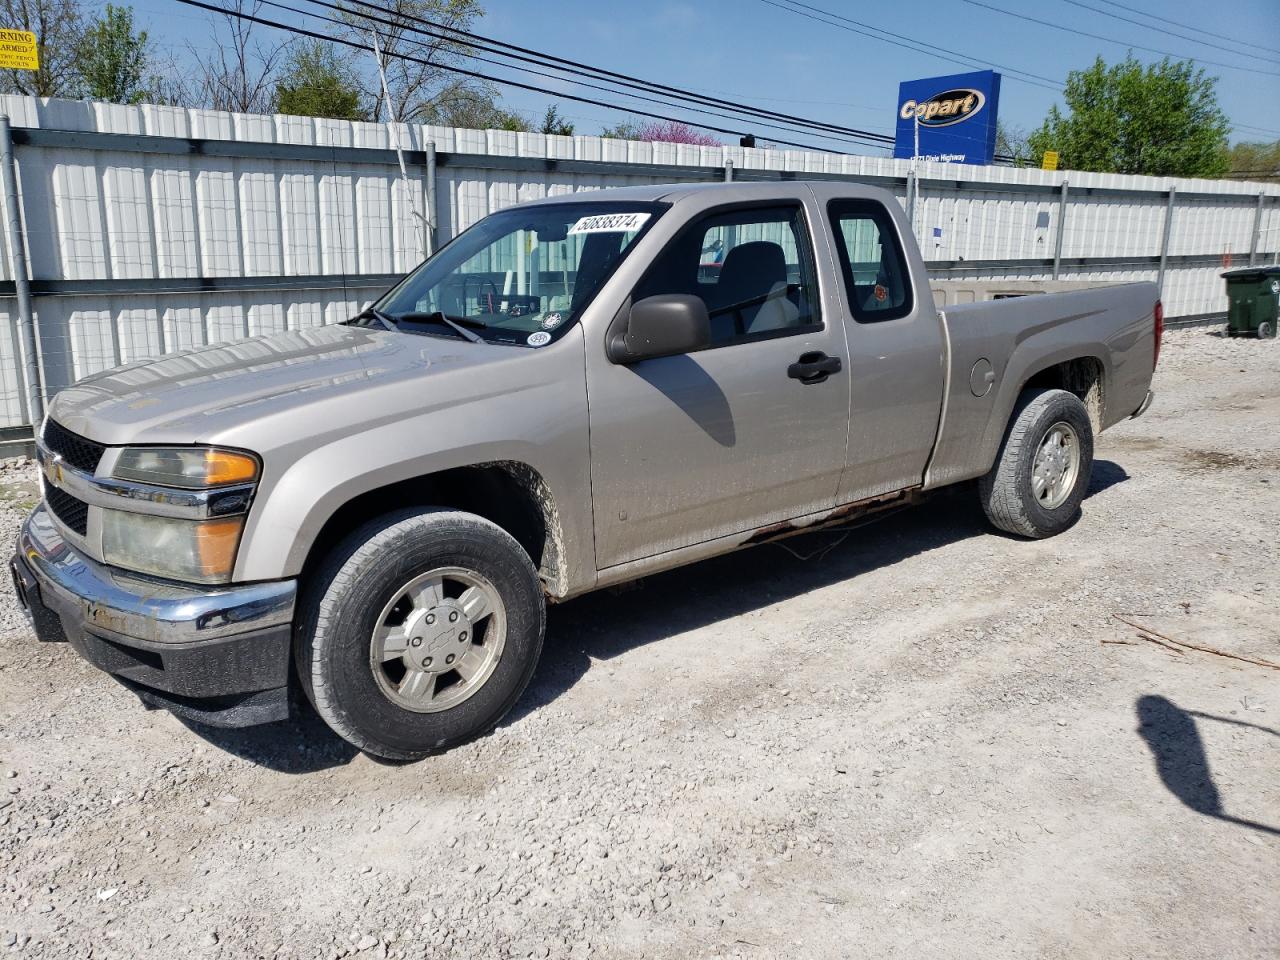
<point x="520" y="276"/>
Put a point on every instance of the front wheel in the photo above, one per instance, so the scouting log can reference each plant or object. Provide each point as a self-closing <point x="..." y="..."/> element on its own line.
<point x="1043" y="467"/>
<point x="1266" y="330"/>
<point x="421" y="631"/>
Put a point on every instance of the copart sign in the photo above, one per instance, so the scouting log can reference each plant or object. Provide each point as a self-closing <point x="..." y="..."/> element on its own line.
<point x="944" y="109"/>
<point x="948" y="119"/>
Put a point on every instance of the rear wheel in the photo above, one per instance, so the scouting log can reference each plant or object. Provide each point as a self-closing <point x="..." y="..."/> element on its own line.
<point x="1043" y="467"/>
<point x="421" y="631"/>
<point x="1266" y="330"/>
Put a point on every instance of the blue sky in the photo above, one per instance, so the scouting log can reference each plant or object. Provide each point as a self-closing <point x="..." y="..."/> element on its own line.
<point x="752" y="51"/>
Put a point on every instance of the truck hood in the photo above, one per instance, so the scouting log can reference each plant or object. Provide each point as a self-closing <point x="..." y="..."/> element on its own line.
<point x="204" y="395"/>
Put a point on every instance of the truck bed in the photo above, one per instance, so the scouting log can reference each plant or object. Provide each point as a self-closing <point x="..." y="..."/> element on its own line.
<point x="1105" y="335"/>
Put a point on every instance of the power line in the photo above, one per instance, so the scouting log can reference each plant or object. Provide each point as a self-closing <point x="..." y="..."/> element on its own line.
<point x="1171" y="33"/>
<point x="1264" y="130"/>
<point x="525" y="54"/>
<point x="908" y="43"/>
<point x="1137" y="46"/>
<point x="1188" y="26"/>
<point x="402" y="21"/>
<point x="818" y="129"/>
<point x="300" y="31"/>
<point x="398" y="21"/>
<point x="834" y="16"/>
<point x="468" y="38"/>
<point x="478" y="41"/>
<point x="971" y="62"/>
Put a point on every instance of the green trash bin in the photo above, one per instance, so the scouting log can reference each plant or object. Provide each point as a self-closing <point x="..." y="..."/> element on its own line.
<point x="1253" y="301"/>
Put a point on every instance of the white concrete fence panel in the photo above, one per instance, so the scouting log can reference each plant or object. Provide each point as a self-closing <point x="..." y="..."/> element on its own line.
<point x="190" y="227"/>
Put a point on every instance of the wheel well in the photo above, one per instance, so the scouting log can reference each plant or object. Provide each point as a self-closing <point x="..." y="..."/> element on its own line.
<point x="510" y="494"/>
<point x="1082" y="376"/>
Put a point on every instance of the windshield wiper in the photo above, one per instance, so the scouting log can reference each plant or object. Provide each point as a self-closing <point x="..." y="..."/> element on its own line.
<point x="459" y="324"/>
<point x="429" y="315"/>
<point x="382" y="318"/>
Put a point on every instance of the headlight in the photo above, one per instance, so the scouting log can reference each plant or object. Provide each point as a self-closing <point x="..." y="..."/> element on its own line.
<point x="192" y="468"/>
<point x="200" y="551"/>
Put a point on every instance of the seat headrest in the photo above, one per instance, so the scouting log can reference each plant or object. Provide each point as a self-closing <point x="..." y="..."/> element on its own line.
<point x="751" y="270"/>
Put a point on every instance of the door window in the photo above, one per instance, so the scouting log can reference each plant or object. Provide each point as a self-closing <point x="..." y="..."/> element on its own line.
<point x="875" y="271"/>
<point x="752" y="267"/>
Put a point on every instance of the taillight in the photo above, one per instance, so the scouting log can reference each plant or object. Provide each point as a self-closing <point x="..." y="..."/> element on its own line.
<point x="1159" y="312"/>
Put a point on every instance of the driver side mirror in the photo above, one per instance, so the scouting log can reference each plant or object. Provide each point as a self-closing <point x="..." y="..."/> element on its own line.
<point x="662" y="326"/>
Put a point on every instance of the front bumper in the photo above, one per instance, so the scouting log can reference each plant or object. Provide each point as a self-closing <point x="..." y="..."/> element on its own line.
<point x="218" y="655"/>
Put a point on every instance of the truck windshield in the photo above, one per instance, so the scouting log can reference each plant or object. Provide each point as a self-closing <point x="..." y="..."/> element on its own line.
<point x="520" y="276"/>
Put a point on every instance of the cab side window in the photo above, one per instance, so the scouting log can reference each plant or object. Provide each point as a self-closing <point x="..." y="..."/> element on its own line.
<point x="753" y="267"/>
<point x="876" y="282"/>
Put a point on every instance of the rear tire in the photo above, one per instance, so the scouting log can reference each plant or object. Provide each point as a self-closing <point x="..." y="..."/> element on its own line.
<point x="405" y="590"/>
<point x="1043" y="468"/>
<point x="1266" y="330"/>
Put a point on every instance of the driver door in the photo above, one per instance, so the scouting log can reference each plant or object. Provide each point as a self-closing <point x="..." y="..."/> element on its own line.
<point x="727" y="439"/>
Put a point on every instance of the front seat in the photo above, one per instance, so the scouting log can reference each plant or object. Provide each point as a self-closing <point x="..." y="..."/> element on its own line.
<point x="752" y="270"/>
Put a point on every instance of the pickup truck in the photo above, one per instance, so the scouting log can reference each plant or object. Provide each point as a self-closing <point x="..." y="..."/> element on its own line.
<point x="573" y="393"/>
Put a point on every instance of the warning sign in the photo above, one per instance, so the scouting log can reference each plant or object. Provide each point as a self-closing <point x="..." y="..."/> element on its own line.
<point x="1050" y="160"/>
<point x="18" y="50"/>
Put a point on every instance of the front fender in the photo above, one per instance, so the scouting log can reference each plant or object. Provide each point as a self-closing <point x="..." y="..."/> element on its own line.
<point x="541" y="422"/>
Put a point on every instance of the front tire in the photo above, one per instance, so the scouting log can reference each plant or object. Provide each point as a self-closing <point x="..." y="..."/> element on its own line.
<point x="1266" y="330"/>
<point x="420" y="631"/>
<point x="1043" y="467"/>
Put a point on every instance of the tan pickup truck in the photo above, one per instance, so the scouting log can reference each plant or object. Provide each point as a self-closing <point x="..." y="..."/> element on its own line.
<point x="572" y="393"/>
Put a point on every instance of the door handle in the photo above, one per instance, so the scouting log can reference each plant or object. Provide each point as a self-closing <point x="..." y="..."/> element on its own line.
<point x="813" y="367"/>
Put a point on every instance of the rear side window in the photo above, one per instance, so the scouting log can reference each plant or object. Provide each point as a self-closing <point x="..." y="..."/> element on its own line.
<point x="753" y="268"/>
<point x="876" y="283"/>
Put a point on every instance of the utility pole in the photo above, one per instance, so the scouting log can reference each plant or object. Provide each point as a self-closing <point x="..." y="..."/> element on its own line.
<point x="34" y="400"/>
<point x="913" y="181"/>
<point x="422" y="224"/>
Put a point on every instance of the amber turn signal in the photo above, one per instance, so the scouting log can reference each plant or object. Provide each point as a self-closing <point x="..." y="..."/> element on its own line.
<point x="227" y="466"/>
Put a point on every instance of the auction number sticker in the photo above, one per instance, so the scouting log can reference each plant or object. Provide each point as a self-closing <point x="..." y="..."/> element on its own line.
<point x="609" y="223"/>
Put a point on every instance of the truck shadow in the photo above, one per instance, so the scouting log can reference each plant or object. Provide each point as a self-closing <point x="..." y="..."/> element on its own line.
<point x="301" y="744"/>
<point x="1106" y="474"/>
<point x="1174" y="739"/>
<point x="606" y="624"/>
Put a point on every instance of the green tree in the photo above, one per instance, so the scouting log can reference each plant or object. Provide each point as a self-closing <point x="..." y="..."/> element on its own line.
<point x="1012" y="142"/>
<point x="419" y="86"/>
<point x="316" y="82"/>
<point x="1159" y="120"/>
<point x="553" y="123"/>
<point x="1255" y="161"/>
<point x="626" y="130"/>
<point x="113" y="60"/>
<point x="58" y="26"/>
<point x="473" y="107"/>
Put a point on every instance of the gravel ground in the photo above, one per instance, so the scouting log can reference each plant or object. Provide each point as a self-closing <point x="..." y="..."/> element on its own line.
<point x="928" y="741"/>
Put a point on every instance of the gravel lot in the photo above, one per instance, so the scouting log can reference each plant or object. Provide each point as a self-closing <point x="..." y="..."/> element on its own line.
<point x="928" y="741"/>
